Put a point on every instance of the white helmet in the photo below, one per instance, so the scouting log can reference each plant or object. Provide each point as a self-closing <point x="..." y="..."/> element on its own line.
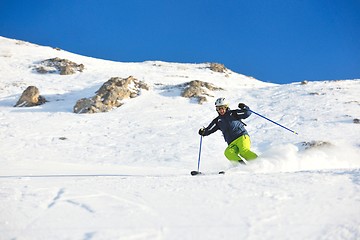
<point x="221" y="102"/>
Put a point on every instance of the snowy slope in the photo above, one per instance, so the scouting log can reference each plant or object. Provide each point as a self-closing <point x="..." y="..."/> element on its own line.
<point x="124" y="174"/>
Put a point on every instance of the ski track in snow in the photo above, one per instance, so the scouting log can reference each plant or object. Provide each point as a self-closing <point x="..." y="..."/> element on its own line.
<point x="125" y="174"/>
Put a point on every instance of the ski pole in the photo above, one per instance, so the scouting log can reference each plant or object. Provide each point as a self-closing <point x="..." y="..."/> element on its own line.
<point x="274" y="122"/>
<point x="198" y="172"/>
<point x="201" y="137"/>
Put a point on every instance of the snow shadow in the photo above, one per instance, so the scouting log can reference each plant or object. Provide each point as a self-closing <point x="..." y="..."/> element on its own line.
<point x="170" y="90"/>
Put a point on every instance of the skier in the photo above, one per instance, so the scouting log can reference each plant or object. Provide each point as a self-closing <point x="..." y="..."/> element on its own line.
<point x="234" y="132"/>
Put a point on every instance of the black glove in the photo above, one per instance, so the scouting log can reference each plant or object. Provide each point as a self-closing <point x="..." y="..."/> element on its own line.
<point x="242" y="106"/>
<point x="202" y="131"/>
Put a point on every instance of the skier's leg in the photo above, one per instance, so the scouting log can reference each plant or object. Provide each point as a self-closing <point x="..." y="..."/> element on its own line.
<point x="243" y="143"/>
<point x="231" y="153"/>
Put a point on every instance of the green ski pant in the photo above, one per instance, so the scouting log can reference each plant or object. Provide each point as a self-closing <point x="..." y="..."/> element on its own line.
<point x="240" y="147"/>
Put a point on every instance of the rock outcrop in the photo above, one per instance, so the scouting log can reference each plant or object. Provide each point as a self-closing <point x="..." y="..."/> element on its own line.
<point x="60" y="66"/>
<point x="199" y="90"/>
<point x="110" y="94"/>
<point x="217" y="67"/>
<point x="30" y="97"/>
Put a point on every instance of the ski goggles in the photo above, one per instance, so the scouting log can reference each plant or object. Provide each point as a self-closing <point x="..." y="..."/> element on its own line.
<point x="220" y="107"/>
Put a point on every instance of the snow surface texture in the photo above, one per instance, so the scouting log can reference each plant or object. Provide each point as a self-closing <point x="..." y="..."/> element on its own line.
<point x="125" y="174"/>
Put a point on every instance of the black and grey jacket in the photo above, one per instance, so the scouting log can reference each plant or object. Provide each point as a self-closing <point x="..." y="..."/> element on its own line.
<point x="230" y="124"/>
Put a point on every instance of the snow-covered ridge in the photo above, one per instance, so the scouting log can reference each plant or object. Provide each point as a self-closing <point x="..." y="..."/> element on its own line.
<point x="124" y="174"/>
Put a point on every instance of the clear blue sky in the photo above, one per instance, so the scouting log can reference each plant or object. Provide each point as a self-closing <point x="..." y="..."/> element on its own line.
<point x="276" y="41"/>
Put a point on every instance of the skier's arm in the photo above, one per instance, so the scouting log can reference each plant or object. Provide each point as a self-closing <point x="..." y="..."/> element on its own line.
<point x="213" y="127"/>
<point x="243" y="111"/>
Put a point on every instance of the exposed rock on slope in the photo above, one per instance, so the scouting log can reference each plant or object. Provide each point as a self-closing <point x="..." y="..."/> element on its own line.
<point x="30" y="97"/>
<point x="217" y="67"/>
<point x="58" y="65"/>
<point x="110" y="94"/>
<point x="199" y="90"/>
<point x="314" y="144"/>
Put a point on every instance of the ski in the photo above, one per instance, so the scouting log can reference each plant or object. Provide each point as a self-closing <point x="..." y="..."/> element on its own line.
<point x="194" y="173"/>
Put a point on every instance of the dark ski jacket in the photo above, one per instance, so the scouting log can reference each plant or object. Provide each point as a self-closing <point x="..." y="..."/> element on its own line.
<point x="230" y="124"/>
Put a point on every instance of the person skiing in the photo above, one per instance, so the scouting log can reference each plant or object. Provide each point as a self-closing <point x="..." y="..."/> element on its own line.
<point x="233" y="129"/>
